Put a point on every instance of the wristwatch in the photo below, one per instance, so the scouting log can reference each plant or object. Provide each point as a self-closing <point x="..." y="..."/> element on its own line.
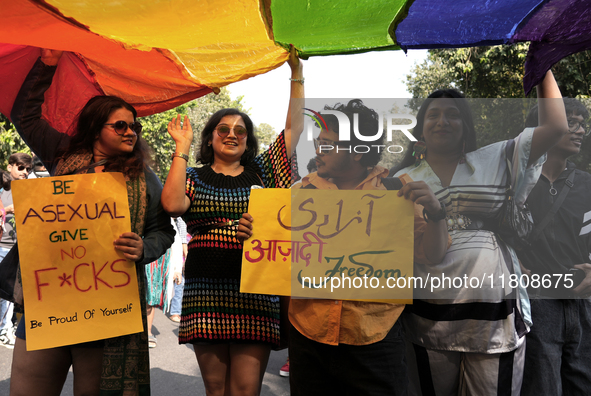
<point x="440" y="215"/>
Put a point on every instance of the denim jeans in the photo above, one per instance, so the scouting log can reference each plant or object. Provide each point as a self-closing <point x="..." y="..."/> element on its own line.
<point x="558" y="352"/>
<point x="176" y="304"/>
<point x="5" y="306"/>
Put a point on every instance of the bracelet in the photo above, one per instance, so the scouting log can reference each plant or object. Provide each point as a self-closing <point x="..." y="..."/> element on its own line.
<point x="300" y="80"/>
<point x="181" y="155"/>
<point x="440" y="215"/>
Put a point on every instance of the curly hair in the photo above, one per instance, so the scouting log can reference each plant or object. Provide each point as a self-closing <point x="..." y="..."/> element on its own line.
<point x="368" y="122"/>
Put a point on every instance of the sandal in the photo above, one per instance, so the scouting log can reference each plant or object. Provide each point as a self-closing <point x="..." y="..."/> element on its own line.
<point x="152" y="341"/>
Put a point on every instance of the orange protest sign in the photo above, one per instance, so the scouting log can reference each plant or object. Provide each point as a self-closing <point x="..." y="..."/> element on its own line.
<point x="344" y="245"/>
<point x="76" y="286"/>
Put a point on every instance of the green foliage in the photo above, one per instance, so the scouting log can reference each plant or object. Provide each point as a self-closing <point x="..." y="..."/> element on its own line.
<point x="265" y="135"/>
<point x="389" y="159"/>
<point x="161" y="144"/>
<point x="10" y="141"/>
<point x="199" y="110"/>
<point x="497" y="72"/>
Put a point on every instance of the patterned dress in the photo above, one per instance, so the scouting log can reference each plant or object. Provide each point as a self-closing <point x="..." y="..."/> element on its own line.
<point x="214" y="310"/>
<point x="157" y="274"/>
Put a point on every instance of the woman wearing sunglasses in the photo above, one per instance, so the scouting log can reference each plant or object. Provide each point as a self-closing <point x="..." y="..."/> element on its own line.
<point x="232" y="332"/>
<point x="107" y="139"/>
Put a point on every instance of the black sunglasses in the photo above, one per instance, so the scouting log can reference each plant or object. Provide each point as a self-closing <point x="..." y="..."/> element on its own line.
<point x="121" y="127"/>
<point x="22" y="168"/>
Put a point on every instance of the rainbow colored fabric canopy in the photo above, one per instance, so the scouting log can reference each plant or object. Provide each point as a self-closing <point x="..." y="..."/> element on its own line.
<point x="157" y="55"/>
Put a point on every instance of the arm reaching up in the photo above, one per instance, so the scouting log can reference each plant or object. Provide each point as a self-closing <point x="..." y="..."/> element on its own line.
<point x="552" y="123"/>
<point x="294" y="124"/>
<point x="174" y="200"/>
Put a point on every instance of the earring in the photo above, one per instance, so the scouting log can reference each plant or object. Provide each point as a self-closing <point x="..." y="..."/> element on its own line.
<point x="208" y="143"/>
<point x="419" y="150"/>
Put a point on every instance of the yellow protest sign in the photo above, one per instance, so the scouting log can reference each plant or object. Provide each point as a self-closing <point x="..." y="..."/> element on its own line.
<point x="266" y="257"/>
<point x="345" y="245"/>
<point x="76" y="286"/>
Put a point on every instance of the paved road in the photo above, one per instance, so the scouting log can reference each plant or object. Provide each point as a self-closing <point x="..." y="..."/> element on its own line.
<point x="174" y="369"/>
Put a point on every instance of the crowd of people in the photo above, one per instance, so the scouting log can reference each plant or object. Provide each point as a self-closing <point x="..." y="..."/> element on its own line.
<point x="506" y="340"/>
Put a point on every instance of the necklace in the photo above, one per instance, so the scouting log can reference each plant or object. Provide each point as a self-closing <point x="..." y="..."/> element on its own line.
<point x="229" y="173"/>
<point x="552" y="190"/>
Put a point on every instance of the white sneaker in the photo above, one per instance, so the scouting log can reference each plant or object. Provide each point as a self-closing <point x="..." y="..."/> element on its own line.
<point x="6" y="338"/>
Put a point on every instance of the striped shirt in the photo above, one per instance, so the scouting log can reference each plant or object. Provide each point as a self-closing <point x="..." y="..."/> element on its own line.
<point x="474" y="309"/>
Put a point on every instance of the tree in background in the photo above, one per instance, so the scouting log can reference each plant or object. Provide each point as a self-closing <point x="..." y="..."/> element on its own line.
<point x="265" y="135"/>
<point x="10" y="141"/>
<point x="390" y="155"/>
<point x="154" y="130"/>
<point x="494" y="73"/>
<point x="199" y="110"/>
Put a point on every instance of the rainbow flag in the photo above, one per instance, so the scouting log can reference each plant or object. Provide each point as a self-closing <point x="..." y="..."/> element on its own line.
<point x="159" y="54"/>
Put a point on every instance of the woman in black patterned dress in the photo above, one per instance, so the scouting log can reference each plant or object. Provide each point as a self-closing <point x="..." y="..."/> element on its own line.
<point x="232" y="332"/>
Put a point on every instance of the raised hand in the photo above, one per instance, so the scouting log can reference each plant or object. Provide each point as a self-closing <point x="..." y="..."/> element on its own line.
<point x="50" y="57"/>
<point x="294" y="126"/>
<point x="181" y="133"/>
<point x="294" y="62"/>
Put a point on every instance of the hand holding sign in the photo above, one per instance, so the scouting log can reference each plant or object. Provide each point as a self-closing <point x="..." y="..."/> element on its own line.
<point x="76" y="256"/>
<point x="419" y="192"/>
<point x="244" y="227"/>
<point x="307" y="241"/>
<point x="131" y="245"/>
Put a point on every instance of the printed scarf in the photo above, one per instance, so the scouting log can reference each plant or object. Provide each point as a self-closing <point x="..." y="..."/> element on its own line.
<point x="126" y="366"/>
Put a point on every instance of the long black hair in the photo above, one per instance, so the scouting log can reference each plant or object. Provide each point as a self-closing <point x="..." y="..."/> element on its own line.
<point x="206" y="155"/>
<point x="91" y="121"/>
<point x="468" y="136"/>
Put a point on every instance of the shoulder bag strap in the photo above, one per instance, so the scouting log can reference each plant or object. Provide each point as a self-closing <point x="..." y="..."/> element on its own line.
<point x="509" y="150"/>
